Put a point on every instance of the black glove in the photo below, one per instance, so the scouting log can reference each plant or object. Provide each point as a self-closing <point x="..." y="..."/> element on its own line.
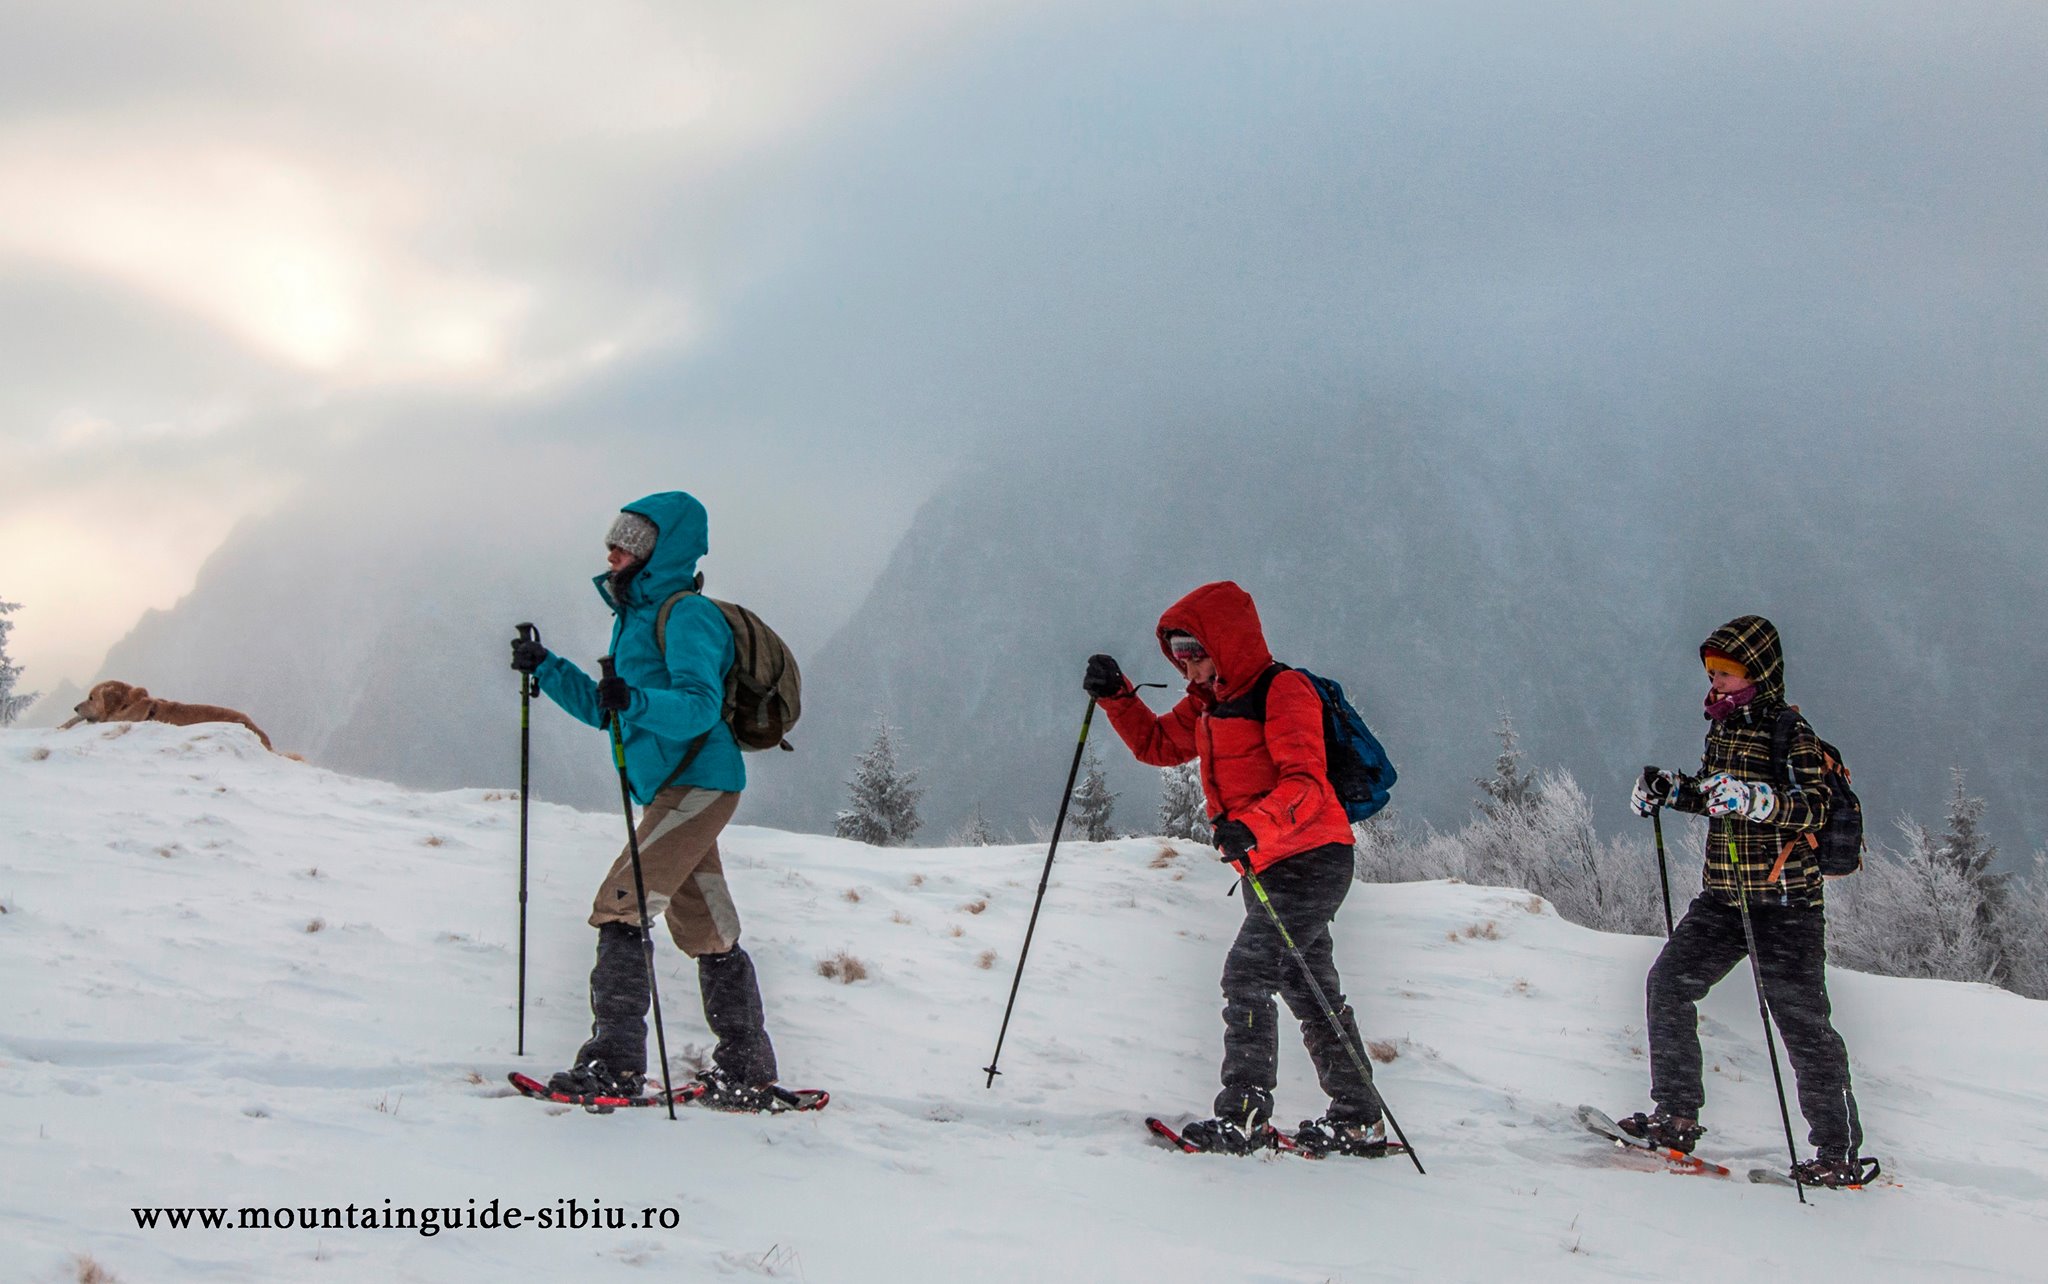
<point x="613" y="695"/>
<point x="1104" y="679"/>
<point x="1234" y="838"/>
<point x="527" y="653"/>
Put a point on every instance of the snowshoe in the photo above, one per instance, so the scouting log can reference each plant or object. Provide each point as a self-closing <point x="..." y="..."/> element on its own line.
<point x="1838" y="1174"/>
<point x="1222" y="1137"/>
<point x="1326" y="1136"/>
<point x="596" y="1078"/>
<point x="720" y="1091"/>
<point x="1673" y="1132"/>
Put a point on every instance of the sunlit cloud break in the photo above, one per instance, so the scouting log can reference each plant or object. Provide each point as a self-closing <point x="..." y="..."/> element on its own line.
<point x="307" y="265"/>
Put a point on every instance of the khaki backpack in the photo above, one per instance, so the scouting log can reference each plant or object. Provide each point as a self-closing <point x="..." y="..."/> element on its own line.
<point x="763" y="689"/>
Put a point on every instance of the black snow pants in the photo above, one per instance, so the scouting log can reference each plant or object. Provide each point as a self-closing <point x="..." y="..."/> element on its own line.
<point x="1305" y="890"/>
<point x="1791" y="943"/>
<point x="619" y="997"/>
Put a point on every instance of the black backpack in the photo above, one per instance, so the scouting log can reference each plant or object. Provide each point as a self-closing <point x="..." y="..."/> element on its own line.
<point x="1838" y="844"/>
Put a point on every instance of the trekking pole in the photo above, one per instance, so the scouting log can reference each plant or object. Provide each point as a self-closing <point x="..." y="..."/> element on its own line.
<point x="640" y="891"/>
<point x="529" y="687"/>
<point x="1086" y="720"/>
<point x="1663" y="874"/>
<point x="1763" y="1005"/>
<point x="1330" y="1015"/>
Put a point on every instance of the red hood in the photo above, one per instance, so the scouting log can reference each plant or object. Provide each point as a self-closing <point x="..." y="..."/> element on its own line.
<point x="1223" y="619"/>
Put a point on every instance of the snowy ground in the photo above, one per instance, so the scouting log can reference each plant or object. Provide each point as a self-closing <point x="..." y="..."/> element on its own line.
<point x="228" y="979"/>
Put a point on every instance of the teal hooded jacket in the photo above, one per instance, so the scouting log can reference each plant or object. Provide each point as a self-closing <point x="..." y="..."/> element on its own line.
<point x="678" y="694"/>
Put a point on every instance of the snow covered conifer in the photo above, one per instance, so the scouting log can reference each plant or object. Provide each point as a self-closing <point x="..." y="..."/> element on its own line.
<point x="974" y="831"/>
<point x="1966" y="849"/>
<point x="11" y="705"/>
<point x="882" y="797"/>
<point x="1093" y="802"/>
<point x="1509" y="789"/>
<point x="1183" y="813"/>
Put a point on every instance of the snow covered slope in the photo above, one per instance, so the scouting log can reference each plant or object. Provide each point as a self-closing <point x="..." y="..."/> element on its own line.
<point x="228" y="979"/>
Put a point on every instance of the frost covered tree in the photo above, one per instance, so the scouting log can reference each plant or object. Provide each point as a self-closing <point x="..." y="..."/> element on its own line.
<point x="882" y="797"/>
<point x="1510" y="788"/>
<point x="1965" y="846"/>
<point x="1093" y="801"/>
<point x="1549" y="845"/>
<point x="1912" y="912"/>
<point x="11" y="705"/>
<point x="1183" y="812"/>
<point x="2024" y="934"/>
<point x="974" y="831"/>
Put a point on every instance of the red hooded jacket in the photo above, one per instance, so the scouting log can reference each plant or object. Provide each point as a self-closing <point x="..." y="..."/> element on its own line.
<point x="1269" y="775"/>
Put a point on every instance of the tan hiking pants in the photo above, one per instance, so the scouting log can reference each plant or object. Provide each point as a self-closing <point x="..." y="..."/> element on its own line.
<point x="679" y="863"/>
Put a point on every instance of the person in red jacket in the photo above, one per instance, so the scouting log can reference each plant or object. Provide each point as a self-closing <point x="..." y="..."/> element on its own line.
<point x="1257" y="728"/>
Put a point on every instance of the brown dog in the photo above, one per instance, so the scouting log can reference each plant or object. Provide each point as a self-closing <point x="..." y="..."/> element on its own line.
<point x="119" y="702"/>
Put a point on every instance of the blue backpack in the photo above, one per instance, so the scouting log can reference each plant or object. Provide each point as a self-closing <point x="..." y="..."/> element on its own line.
<point x="1360" y="772"/>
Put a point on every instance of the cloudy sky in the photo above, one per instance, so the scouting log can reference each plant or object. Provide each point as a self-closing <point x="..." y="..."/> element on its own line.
<point x="236" y="238"/>
<point x="798" y="256"/>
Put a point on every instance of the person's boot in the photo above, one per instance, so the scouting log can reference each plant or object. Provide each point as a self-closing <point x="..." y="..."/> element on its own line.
<point x="1225" y="1137"/>
<point x="613" y="1061"/>
<point x="1836" y="1171"/>
<point x="1337" y="1136"/>
<point x="1240" y="1125"/>
<point x="732" y="1008"/>
<point x="1674" y="1132"/>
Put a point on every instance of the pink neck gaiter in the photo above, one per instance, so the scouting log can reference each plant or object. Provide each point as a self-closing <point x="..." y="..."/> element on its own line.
<point x="1720" y="706"/>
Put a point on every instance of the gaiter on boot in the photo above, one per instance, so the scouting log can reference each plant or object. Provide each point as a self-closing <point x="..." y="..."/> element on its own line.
<point x="618" y="1001"/>
<point x="732" y="1008"/>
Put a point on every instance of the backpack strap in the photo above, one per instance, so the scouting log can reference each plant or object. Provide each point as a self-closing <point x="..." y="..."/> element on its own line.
<point x="1785" y="854"/>
<point x="661" y="616"/>
<point x="1783" y="731"/>
<point x="1252" y="704"/>
<point x="661" y="642"/>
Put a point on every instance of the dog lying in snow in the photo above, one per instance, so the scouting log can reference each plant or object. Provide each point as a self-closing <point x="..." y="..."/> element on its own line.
<point x="118" y="702"/>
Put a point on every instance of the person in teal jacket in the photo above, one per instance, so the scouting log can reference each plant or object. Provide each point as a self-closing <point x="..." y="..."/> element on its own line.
<point x="683" y="765"/>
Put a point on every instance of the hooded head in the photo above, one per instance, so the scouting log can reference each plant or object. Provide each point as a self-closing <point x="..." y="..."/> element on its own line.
<point x="1752" y="642"/>
<point x="682" y="534"/>
<point x="1223" y="619"/>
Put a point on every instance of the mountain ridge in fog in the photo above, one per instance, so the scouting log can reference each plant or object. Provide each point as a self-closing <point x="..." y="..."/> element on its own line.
<point x="1446" y="568"/>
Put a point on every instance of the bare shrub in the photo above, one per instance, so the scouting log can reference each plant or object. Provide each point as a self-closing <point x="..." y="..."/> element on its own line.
<point x="38" y="753"/>
<point x="433" y="840"/>
<point x="843" y="968"/>
<point x="900" y="917"/>
<point x="1166" y="856"/>
<point x="1382" y="1050"/>
<point x="976" y="906"/>
<point x="315" y="925"/>
<point x="957" y="931"/>
<point x="851" y="895"/>
<point x="986" y="961"/>
<point x="91" y="1272"/>
<point x="917" y="880"/>
<point x="1487" y="931"/>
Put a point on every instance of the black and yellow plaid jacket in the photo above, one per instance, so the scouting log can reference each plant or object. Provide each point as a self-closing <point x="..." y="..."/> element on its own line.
<point x="1740" y="745"/>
